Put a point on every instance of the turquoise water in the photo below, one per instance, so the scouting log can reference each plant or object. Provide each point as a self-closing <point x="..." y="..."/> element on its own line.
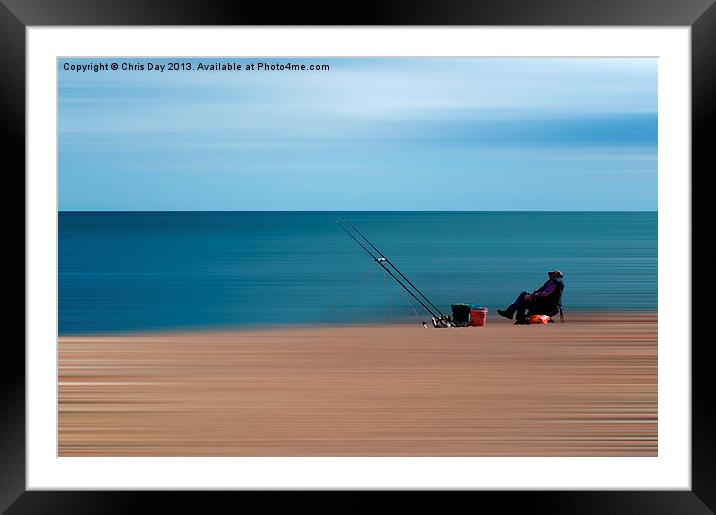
<point x="169" y="270"/>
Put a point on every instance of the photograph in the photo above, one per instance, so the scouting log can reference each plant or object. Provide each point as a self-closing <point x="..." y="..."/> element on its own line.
<point x="358" y="256"/>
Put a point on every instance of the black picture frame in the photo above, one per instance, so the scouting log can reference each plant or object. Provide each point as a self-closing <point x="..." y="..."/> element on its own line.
<point x="16" y="15"/>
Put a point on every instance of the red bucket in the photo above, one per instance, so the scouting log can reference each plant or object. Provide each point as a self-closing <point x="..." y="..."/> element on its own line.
<point x="478" y="316"/>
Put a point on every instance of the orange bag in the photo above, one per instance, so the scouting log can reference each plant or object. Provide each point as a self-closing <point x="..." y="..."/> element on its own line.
<point x="539" y="319"/>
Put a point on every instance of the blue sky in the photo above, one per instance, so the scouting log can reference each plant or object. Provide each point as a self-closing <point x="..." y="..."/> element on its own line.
<point x="474" y="134"/>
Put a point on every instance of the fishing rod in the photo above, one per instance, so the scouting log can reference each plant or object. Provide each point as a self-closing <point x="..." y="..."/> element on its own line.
<point x="381" y="261"/>
<point x="345" y="220"/>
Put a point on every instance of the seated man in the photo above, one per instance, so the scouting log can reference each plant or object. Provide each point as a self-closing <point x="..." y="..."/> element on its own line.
<point x="543" y="301"/>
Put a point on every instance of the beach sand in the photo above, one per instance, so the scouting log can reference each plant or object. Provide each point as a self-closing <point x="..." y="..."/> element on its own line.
<point x="587" y="387"/>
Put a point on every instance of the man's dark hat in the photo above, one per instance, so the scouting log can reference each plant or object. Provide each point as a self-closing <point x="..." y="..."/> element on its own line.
<point x="556" y="272"/>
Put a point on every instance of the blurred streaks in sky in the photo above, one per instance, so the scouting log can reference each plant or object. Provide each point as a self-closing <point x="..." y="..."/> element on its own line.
<point x="369" y="134"/>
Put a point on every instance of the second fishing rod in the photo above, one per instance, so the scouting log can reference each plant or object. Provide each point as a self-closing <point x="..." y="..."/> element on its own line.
<point x="381" y="262"/>
<point x="386" y="260"/>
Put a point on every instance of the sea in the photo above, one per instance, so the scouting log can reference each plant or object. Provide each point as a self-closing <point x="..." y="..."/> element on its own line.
<point x="156" y="271"/>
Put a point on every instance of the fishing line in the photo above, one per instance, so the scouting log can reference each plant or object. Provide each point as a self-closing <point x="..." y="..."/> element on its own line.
<point x="347" y="222"/>
<point x="387" y="297"/>
<point x="407" y="299"/>
<point x="381" y="261"/>
<point x="368" y="271"/>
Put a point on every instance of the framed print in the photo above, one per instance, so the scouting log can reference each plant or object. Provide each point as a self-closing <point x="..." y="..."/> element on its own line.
<point x="308" y="256"/>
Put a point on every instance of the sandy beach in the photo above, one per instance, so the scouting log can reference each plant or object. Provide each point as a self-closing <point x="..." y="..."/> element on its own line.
<point x="587" y="387"/>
